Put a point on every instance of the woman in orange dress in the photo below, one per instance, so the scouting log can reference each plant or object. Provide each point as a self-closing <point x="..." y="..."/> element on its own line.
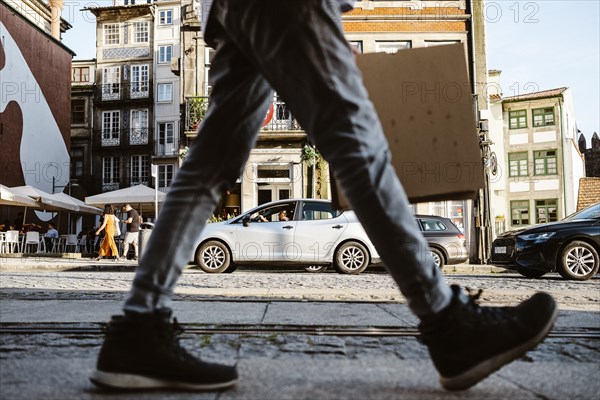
<point x="108" y="247"/>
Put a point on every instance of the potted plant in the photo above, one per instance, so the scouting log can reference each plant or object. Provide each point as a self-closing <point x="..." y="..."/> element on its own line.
<point x="197" y="107"/>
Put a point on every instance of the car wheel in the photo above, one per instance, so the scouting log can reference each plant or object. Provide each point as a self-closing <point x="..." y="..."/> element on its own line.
<point x="531" y="273"/>
<point x="578" y="261"/>
<point x="213" y="257"/>
<point x="315" y="268"/>
<point x="438" y="258"/>
<point x="351" y="258"/>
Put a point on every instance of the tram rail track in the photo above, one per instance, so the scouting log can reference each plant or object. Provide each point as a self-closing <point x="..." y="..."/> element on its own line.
<point x="259" y="330"/>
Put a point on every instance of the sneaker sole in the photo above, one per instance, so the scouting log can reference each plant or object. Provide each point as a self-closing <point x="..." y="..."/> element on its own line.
<point x="120" y="381"/>
<point x="487" y="367"/>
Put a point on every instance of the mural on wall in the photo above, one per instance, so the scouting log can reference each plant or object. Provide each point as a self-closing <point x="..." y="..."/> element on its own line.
<point x="34" y="107"/>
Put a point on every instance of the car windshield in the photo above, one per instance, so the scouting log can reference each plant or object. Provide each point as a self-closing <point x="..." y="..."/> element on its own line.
<point x="592" y="212"/>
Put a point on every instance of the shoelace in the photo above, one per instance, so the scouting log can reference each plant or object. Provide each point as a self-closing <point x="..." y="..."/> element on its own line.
<point x="172" y="331"/>
<point x="486" y="315"/>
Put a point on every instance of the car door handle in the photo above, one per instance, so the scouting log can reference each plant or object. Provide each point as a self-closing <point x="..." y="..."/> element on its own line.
<point x="288" y="227"/>
<point x="337" y="226"/>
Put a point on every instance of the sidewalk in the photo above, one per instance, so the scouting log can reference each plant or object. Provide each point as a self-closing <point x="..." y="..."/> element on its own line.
<point x="74" y="261"/>
<point x="275" y="365"/>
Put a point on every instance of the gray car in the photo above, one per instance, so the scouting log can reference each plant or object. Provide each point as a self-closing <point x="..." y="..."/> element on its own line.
<point x="447" y="243"/>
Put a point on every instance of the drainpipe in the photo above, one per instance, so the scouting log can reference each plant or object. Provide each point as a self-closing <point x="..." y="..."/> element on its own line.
<point x="562" y="155"/>
<point x="56" y="7"/>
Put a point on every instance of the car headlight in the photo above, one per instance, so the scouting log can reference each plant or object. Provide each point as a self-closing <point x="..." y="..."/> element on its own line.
<point x="537" y="237"/>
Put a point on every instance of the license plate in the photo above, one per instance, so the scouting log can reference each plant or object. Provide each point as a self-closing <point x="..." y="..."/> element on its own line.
<point x="500" y="250"/>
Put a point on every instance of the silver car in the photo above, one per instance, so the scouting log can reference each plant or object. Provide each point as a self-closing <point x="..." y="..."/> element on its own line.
<point x="297" y="231"/>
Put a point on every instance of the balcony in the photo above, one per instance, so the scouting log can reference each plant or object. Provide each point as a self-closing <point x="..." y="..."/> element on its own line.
<point x="278" y="119"/>
<point x="120" y="91"/>
<point x="138" y="136"/>
<point x="110" y="138"/>
<point x="166" y="148"/>
<point x="139" y="90"/>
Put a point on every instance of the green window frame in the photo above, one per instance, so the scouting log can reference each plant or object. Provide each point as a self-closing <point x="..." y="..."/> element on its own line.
<point x="518" y="164"/>
<point x="517" y="119"/>
<point x="546" y="211"/>
<point x="545" y="162"/>
<point x="542" y="116"/>
<point x="519" y="212"/>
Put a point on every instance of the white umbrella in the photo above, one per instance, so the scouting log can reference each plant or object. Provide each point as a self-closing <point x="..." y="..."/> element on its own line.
<point x="133" y="195"/>
<point x="10" y="198"/>
<point x="81" y="206"/>
<point x="47" y="201"/>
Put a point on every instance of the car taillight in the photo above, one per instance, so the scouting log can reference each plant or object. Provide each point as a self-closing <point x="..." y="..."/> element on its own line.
<point x="460" y="236"/>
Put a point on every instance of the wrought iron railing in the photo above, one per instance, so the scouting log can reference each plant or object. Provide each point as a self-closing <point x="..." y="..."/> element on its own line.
<point x="279" y="117"/>
<point x="166" y="147"/>
<point x="124" y="91"/>
<point x="139" y="136"/>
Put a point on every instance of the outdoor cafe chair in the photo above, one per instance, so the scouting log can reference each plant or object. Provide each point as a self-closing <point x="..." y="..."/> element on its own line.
<point x="82" y="244"/>
<point x="32" y="239"/>
<point x="71" y="241"/>
<point x="11" y="242"/>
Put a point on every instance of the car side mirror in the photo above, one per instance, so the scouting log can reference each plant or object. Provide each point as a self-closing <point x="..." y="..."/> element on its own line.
<point x="246" y="221"/>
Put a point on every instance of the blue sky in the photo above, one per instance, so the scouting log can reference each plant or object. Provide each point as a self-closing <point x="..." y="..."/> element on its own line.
<point x="538" y="45"/>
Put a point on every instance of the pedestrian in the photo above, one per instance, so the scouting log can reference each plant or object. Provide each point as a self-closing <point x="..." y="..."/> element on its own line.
<point x="50" y="237"/>
<point x="108" y="247"/>
<point x="133" y="222"/>
<point x="298" y="48"/>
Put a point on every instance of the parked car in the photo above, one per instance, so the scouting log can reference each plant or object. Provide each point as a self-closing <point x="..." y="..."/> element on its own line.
<point x="570" y="247"/>
<point x="447" y="243"/>
<point x="305" y="232"/>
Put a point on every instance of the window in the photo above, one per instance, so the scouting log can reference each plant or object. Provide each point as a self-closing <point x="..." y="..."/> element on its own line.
<point x="139" y="81"/>
<point x="111" y="83"/>
<point x="139" y="127"/>
<point x="80" y="74"/>
<point x="432" y="225"/>
<point x="139" y="170"/>
<point x="517" y="119"/>
<point x="519" y="211"/>
<point x="518" y="164"/>
<point x="111" y="173"/>
<point x="357" y="45"/>
<point x="431" y="43"/>
<point x="165" y="176"/>
<point x="392" y="47"/>
<point x="166" y="139"/>
<point x="112" y="34"/>
<point x="314" y="211"/>
<point x="165" y="92"/>
<point x="208" y="57"/>
<point x="546" y="211"/>
<point x="545" y="162"/>
<point x="77" y="159"/>
<point x="165" y="17"/>
<point x="78" y="111"/>
<point x="543" y="116"/>
<point x="110" y="128"/>
<point x="274" y="213"/>
<point x="140" y="32"/>
<point x="164" y="54"/>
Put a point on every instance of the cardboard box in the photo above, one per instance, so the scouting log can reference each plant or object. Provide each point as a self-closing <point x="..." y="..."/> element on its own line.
<point x="423" y="99"/>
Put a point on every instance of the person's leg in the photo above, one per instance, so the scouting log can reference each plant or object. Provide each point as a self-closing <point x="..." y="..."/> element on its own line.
<point x="141" y="349"/>
<point x="135" y="249"/>
<point x="125" y="247"/>
<point x="238" y="103"/>
<point x="301" y="50"/>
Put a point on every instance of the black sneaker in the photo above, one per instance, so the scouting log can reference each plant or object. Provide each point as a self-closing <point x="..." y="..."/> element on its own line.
<point x="143" y="352"/>
<point x="468" y="342"/>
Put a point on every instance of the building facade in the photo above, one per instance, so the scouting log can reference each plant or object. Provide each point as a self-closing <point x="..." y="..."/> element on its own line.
<point x="124" y="98"/>
<point x="539" y="161"/>
<point x="35" y="103"/>
<point x="591" y="154"/>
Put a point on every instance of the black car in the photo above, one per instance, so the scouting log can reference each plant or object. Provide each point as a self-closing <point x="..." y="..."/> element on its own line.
<point x="446" y="242"/>
<point x="570" y="247"/>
